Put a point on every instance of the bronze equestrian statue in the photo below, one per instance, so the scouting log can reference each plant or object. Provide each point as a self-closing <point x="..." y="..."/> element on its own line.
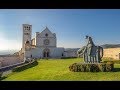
<point x="90" y="52"/>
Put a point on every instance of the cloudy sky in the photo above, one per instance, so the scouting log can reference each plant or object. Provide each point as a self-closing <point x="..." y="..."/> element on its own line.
<point x="70" y="26"/>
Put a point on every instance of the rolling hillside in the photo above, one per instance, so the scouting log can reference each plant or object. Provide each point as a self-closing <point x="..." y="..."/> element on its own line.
<point x="110" y="45"/>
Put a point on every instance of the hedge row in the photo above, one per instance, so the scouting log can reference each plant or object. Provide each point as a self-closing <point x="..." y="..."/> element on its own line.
<point x="1" y="74"/>
<point x="93" y="67"/>
<point x="25" y="66"/>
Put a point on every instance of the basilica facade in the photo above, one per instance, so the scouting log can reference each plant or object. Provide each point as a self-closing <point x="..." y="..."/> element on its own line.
<point x="43" y="45"/>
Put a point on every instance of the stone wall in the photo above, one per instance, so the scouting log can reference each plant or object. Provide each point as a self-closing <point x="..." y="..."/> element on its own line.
<point x="113" y="53"/>
<point x="7" y="60"/>
<point x="38" y="52"/>
<point x="70" y="54"/>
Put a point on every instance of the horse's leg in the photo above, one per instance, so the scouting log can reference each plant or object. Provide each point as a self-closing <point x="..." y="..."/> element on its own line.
<point x="98" y="55"/>
<point x="84" y="56"/>
<point x="95" y="59"/>
<point x="87" y="58"/>
<point x="94" y="54"/>
<point x="90" y="58"/>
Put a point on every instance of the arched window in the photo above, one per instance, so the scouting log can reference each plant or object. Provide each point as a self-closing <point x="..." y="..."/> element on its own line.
<point x="27" y="42"/>
<point x="46" y="34"/>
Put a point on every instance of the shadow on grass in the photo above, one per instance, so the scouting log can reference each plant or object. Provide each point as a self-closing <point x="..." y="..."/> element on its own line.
<point x="116" y="70"/>
<point x="1" y="78"/>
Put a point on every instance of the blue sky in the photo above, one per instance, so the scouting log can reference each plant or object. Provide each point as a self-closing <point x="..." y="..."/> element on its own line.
<point x="70" y="26"/>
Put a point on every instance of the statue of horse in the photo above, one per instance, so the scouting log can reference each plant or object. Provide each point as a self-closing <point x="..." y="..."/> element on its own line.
<point x="90" y="52"/>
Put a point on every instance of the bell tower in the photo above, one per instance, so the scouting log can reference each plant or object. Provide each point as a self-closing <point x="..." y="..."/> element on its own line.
<point x="27" y="32"/>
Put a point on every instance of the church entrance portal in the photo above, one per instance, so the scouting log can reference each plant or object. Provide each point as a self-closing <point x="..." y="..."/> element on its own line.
<point x="46" y="53"/>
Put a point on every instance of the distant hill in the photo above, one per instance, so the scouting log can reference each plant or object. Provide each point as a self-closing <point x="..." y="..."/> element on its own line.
<point x="110" y="45"/>
<point x="4" y="52"/>
<point x="73" y="49"/>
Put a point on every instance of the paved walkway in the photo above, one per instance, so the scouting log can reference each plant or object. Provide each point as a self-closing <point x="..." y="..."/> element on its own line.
<point x="8" y="70"/>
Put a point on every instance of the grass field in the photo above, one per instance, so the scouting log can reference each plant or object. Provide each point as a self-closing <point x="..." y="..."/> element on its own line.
<point x="58" y="70"/>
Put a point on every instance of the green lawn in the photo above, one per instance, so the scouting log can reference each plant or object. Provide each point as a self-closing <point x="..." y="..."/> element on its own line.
<point x="58" y="70"/>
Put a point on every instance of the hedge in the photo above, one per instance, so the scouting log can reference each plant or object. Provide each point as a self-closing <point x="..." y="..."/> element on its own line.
<point x="25" y="66"/>
<point x="1" y="74"/>
<point x="91" y="67"/>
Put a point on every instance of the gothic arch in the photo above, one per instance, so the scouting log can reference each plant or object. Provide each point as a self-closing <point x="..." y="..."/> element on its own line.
<point x="27" y="42"/>
<point x="46" y="53"/>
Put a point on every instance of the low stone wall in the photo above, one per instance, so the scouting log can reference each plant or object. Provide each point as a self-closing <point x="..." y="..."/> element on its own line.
<point x="112" y="53"/>
<point x="70" y="54"/>
<point x="7" y="60"/>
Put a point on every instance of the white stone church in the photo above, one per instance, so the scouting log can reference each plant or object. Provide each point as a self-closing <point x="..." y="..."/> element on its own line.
<point x="44" y="45"/>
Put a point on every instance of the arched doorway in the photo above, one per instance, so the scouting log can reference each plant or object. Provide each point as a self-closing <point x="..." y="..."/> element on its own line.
<point x="46" y="53"/>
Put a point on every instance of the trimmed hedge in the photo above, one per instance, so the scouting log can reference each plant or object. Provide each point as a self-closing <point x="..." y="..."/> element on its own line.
<point x="25" y="66"/>
<point x="1" y="78"/>
<point x="1" y="74"/>
<point x="91" y="67"/>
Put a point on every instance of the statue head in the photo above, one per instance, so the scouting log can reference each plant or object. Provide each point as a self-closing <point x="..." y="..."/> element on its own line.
<point x="89" y="40"/>
<point x="86" y="37"/>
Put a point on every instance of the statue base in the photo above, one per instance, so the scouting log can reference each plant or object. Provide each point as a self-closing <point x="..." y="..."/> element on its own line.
<point x="91" y="67"/>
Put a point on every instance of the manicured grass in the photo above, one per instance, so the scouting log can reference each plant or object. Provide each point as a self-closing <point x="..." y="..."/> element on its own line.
<point x="58" y="70"/>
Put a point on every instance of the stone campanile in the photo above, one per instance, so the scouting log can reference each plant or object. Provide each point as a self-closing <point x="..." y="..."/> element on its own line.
<point x="27" y="33"/>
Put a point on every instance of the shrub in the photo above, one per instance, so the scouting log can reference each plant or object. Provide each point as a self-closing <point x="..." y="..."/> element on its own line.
<point x="73" y="67"/>
<point x="102" y="67"/>
<point x="25" y="66"/>
<point x="83" y="68"/>
<point x="88" y="67"/>
<point x="94" y="68"/>
<point x="91" y="67"/>
<point x="109" y="67"/>
<point x="1" y="74"/>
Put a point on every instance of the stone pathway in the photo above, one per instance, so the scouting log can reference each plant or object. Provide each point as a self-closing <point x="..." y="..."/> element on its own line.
<point x="8" y="70"/>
